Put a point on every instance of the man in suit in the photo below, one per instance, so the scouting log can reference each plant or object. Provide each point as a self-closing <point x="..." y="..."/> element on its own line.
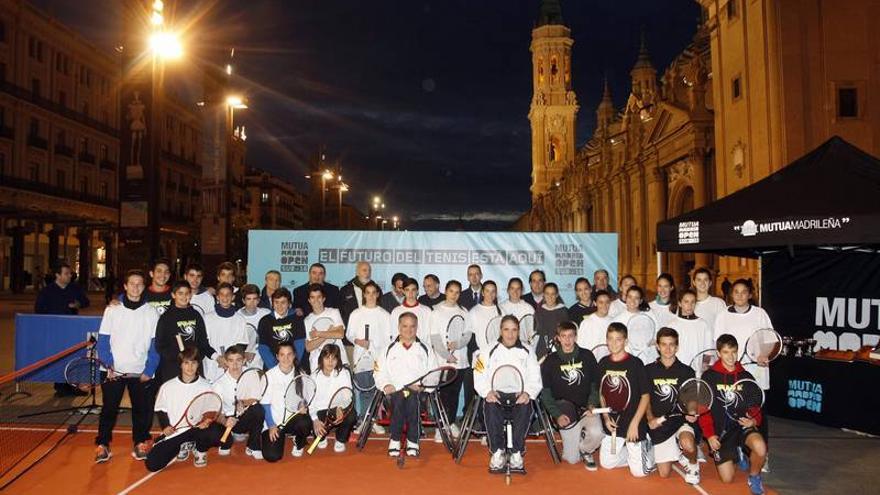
<point x="394" y="297"/>
<point x="351" y="296"/>
<point x="537" y="279"/>
<point x="317" y="275"/>
<point x="470" y="296"/>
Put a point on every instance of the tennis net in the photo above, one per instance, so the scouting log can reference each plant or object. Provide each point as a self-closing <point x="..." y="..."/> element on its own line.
<point x="35" y="413"/>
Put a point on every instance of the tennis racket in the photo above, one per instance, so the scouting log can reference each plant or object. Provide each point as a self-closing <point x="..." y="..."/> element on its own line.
<point x="198" y="308"/>
<point x="508" y="384"/>
<point x="648" y="354"/>
<point x="340" y="406"/>
<point x="179" y="339"/>
<point x="641" y="331"/>
<point x="361" y="373"/>
<point x="298" y="397"/>
<point x="742" y="399"/>
<point x="576" y="413"/>
<point x="694" y="398"/>
<point x="457" y="337"/>
<point x="249" y="389"/>
<point x="322" y="324"/>
<point x="527" y="333"/>
<point x="600" y="351"/>
<point x="253" y="336"/>
<point x="85" y="373"/>
<point x="615" y="392"/>
<point x="203" y="408"/>
<point x="432" y="380"/>
<point x="493" y="331"/>
<point x="703" y="361"/>
<point x="762" y="347"/>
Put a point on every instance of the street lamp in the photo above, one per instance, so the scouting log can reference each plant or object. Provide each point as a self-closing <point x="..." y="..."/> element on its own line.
<point x="343" y="187"/>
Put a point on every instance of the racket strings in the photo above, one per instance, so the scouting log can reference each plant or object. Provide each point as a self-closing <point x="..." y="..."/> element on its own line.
<point x="527" y="329"/>
<point x="83" y="371"/>
<point x="251" y="385"/>
<point x="206" y="405"/>
<point x="615" y="390"/>
<point x="437" y="378"/>
<point x="764" y="344"/>
<point x="299" y="393"/>
<point x="695" y="396"/>
<point x="507" y="380"/>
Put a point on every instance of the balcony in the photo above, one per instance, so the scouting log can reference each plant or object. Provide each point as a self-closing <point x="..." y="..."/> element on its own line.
<point x="62" y="149"/>
<point x="37" y="142"/>
<point x="7" y="132"/>
<point x="25" y="94"/>
<point x="166" y="155"/>
<point x="108" y="165"/>
<point x="56" y="191"/>
<point x="86" y="157"/>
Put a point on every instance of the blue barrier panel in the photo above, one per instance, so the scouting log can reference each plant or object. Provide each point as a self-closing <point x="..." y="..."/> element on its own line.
<point x="40" y="336"/>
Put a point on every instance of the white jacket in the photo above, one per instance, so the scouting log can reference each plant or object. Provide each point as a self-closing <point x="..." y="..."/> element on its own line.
<point x="439" y="320"/>
<point x="325" y="387"/>
<point x="398" y="366"/>
<point x="519" y="356"/>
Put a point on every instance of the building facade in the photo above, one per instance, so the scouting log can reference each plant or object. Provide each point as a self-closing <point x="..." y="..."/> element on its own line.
<point x="59" y="148"/>
<point x="273" y="203"/>
<point x="761" y="84"/>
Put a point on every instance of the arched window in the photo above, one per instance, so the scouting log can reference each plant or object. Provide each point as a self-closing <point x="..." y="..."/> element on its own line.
<point x="554" y="69"/>
<point x="540" y="70"/>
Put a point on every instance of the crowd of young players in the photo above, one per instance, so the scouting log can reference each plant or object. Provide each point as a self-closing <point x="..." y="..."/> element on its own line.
<point x="166" y="343"/>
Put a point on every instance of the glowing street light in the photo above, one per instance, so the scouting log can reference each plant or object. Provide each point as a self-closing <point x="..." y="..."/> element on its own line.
<point x="166" y="45"/>
<point x="328" y="175"/>
<point x="236" y="102"/>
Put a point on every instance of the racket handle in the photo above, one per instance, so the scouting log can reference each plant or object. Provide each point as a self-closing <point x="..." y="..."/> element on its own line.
<point x="367" y="332"/>
<point x="601" y="410"/>
<point x="179" y="342"/>
<point x="314" y="444"/>
<point x="226" y="434"/>
<point x="614" y="442"/>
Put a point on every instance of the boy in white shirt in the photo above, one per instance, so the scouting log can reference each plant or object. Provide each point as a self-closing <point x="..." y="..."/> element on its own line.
<point x="317" y="339"/>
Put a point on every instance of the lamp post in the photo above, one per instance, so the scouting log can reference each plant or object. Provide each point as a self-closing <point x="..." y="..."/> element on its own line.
<point x="164" y="45"/>
<point x="327" y="175"/>
<point x="343" y="187"/>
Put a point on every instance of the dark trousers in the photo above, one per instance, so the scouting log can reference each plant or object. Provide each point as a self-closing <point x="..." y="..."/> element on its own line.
<point x="405" y="410"/>
<point x="141" y="416"/>
<point x="300" y="427"/>
<point x="163" y="452"/>
<point x="519" y="415"/>
<point x="250" y="422"/>
<point x="343" y="430"/>
<point x="449" y="394"/>
<point x="467" y="383"/>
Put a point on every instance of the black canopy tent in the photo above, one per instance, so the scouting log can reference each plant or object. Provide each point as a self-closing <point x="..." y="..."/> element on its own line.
<point x="828" y="197"/>
<point x="815" y="225"/>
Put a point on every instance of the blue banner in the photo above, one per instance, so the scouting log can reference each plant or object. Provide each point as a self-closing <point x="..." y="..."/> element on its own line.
<point x="502" y="255"/>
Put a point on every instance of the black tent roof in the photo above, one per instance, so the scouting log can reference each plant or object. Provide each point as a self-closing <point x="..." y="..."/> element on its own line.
<point x="828" y="197"/>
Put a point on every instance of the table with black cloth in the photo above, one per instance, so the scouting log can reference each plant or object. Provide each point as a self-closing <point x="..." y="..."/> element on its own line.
<point x="829" y="393"/>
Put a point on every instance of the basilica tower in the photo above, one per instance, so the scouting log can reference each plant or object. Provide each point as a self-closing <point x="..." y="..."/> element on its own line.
<point x="554" y="105"/>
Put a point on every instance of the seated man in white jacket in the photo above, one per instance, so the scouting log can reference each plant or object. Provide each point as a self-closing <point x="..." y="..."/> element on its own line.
<point x="403" y="362"/>
<point x="509" y="351"/>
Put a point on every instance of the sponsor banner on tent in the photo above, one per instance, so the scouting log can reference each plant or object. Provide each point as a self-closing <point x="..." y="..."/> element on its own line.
<point x="831" y="296"/>
<point x="502" y="255"/>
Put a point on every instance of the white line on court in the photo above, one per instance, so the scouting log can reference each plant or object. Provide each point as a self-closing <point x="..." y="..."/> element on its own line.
<point x="696" y="487"/>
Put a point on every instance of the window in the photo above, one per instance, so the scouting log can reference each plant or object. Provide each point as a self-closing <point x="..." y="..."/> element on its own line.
<point x="2" y="116"/>
<point x="61" y="138"/>
<point x="2" y="31"/>
<point x="2" y="72"/>
<point x="34" y="127"/>
<point x="85" y="108"/>
<point x="35" y="87"/>
<point x="264" y="197"/>
<point x="105" y="153"/>
<point x="103" y="190"/>
<point x="84" y="185"/>
<point x="34" y="172"/>
<point x="39" y="50"/>
<point x="2" y="164"/>
<point x="62" y="98"/>
<point x="84" y="145"/>
<point x="32" y="47"/>
<point x="848" y="103"/>
<point x="60" y="178"/>
<point x="736" y="88"/>
<point x="732" y="9"/>
<point x="59" y="62"/>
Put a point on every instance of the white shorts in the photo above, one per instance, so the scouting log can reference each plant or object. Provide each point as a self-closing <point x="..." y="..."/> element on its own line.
<point x="638" y="456"/>
<point x="668" y="450"/>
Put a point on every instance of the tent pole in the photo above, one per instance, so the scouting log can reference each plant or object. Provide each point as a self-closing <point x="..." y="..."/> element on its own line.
<point x="761" y="280"/>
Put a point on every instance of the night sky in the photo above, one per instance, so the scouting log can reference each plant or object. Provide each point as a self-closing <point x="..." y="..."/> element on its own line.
<point x="422" y="102"/>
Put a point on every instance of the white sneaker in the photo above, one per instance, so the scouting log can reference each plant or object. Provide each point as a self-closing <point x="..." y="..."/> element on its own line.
<point x="497" y="461"/>
<point x="323" y="443"/>
<point x="516" y="460"/>
<point x="394" y="448"/>
<point x="484" y="441"/>
<point x="256" y="454"/>
<point x="239" y="437"/>
<point x="701" y="457"/>
<point x="438" y="438"/>
<point x="223" y="452"/>
<point x="297" y="452"/>
<point x="377" y="429"/>
<point x="412" y="449"/>
<point x="683" y="461"/>
<point x="454" y="431"/>
<point x="766" y="467"/>
<point x="338" y="447"/>
<point x="200" y="459"/>
<point x="692" y="474"/>
<point x="184" y="451"/>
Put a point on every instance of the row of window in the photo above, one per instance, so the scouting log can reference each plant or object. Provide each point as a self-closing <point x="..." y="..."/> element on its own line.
<point x="61" y="180"/>
<point x="84" y="144"/>
<point x="846" y="98"/>
<point x="36" y="51"/>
